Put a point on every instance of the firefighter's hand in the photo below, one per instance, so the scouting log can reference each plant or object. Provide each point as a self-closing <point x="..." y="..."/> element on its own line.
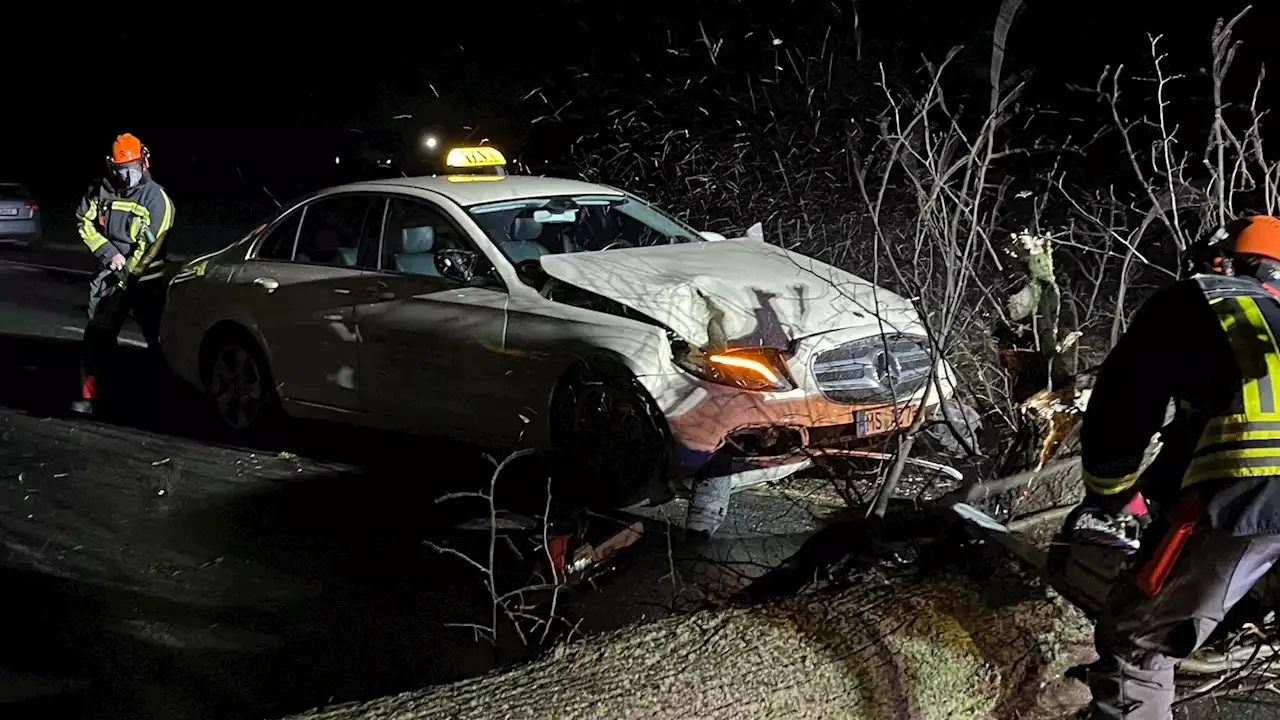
<point x="1099" y="526"/>
<point x="117" y="261"/>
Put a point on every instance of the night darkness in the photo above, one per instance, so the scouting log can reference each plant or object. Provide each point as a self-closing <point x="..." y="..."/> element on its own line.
<point x="230" y="104"/>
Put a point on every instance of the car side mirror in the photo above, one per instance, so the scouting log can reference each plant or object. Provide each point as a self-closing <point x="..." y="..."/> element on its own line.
<point x="531" y="273"/>
<point x="711" y="236"/>
<point x="457" y="264"/>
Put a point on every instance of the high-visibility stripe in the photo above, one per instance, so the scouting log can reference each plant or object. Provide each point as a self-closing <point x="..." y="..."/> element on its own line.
<point x="1249" y="355"/>
<point x="1255" y="353"/>
<point x="1222" y="451"/>
<point x="1108" y="486"/>
<point x="1270" y="385"/>
<point x="135" y="258"/>
<point x="1238" y="428"/>
<point x="1226" y="464"/>
<point x="151" y="276"/>
<point x="132" y="207"/>
<point x="88" y="233"/>
<point x="149" y="260"/>
<point x="167" y="221"/>
<point x="91" y="236"/>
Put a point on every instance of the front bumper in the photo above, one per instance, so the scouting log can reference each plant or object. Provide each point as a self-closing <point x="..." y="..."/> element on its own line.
<point x="756" y="437"/>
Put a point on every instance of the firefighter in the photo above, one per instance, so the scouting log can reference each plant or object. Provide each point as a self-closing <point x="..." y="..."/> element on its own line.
<point x="124" y="220"/>
<point x="1207" y="346"/>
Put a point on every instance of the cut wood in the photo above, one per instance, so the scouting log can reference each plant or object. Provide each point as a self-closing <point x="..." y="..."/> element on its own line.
<point x="943" y="647"/>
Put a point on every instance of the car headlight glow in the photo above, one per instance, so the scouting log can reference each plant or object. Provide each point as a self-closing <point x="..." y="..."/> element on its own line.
<point x="747" y="368"/>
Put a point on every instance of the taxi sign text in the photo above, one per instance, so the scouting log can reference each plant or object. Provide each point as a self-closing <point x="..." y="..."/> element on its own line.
<point x="475" y="157"/>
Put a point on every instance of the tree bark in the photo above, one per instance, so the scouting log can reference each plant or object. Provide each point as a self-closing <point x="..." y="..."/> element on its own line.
<point x="943" y="647"/>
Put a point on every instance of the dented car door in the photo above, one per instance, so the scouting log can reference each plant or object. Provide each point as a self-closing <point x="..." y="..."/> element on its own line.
<point x="299" y="292"/>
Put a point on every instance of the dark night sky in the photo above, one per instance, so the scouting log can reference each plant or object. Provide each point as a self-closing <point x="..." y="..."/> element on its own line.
<point x="217" y="86"/>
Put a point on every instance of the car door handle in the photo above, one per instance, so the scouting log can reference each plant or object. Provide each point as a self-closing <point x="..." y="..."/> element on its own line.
<point x="266" y="283"/>
<point x="380" y="291"/>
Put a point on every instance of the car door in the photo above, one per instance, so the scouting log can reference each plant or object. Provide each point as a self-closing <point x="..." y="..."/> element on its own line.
<point x="299" y="290"/>
<point x="431" y="350"/>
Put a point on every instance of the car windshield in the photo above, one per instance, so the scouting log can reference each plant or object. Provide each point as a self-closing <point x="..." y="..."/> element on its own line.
<point x="527" y="229"/>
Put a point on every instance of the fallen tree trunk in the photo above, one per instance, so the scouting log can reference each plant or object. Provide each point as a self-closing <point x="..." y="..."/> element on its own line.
<point x="940" y="647"/>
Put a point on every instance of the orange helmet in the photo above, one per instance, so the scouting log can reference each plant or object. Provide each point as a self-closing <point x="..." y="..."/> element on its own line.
<point x="1257" y="235"/>
<point x="127" y="149"/>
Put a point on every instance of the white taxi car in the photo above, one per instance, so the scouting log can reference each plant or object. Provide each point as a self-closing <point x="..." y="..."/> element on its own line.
<point x="512" y="311"/>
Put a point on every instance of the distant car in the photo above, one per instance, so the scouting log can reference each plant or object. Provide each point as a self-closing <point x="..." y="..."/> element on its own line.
<point x="19" y="216"/>
<point x="510" y="311"/>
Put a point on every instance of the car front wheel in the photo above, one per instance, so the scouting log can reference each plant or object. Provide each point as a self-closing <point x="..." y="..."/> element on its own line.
<point x="240" y="388"/>
<point x="608" y="438"/>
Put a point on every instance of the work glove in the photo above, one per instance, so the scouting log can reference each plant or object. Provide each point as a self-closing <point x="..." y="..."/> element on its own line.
<point x="1105" y="524"/>
<point x="1093" y="525"/>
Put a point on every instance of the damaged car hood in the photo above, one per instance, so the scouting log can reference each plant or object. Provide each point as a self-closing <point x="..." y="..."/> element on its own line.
<point x="733" y="293"/>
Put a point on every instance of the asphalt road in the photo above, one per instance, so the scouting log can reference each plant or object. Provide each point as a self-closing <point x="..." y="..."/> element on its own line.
<point x="151" y="570"/>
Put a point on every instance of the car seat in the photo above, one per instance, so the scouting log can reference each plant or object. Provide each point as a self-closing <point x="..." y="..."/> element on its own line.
<point x="524" y="244"/>
<point x="325" y="250"/>
<point x="417" y="251"/>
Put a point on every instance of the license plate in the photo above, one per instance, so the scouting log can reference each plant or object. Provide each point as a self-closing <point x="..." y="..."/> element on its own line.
<point x="886" y="419"/>
<point x="8" y="211"/>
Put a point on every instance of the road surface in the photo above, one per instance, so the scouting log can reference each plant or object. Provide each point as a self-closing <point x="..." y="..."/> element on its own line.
<point x="152" y="571"/>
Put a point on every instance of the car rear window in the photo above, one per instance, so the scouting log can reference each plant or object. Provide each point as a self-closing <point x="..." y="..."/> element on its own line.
<point x="11" y="191"/>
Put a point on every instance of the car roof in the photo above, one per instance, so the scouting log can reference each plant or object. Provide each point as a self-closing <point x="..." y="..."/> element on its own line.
<point x="506" y="187"/>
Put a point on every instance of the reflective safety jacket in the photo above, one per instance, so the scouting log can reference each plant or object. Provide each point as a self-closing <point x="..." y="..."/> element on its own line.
<point x="1209" y="345"/>
<point x="133" y="222"/>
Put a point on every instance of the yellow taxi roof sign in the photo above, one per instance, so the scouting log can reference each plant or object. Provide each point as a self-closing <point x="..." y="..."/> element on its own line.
<point x="474" y="157"/>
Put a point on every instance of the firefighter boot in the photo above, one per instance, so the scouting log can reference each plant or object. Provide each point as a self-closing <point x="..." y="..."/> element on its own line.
<point x="88" y="393"/>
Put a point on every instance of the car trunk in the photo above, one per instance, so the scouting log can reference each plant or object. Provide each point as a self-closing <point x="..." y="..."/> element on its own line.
<point x="15" y="205"/>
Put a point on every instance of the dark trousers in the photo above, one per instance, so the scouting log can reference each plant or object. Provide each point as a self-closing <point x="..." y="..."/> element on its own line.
<point x="109" y="307"/>
<point x="1140" y="639"/>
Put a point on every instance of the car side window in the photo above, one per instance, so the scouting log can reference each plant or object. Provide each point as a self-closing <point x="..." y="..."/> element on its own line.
<point x="415" y="232"/>
<point x="278" y="244"/>
<point x="341" y="231"/>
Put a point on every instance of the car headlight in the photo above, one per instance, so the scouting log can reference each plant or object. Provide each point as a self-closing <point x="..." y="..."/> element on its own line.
<point x="747" y="368"/>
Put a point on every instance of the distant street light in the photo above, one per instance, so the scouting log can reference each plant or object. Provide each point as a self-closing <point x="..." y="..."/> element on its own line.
<point x="431" y="142"/>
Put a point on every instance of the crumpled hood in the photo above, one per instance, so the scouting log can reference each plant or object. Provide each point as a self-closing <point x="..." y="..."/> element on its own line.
<point x="735" y="293"/>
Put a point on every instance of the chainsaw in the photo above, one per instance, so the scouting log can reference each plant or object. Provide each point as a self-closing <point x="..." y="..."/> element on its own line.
<point x="1083" y="565"/>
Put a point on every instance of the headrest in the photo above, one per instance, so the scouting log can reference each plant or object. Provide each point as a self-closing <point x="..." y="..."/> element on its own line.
<point x="417" y="239"/>
<point x="525" y="229"/>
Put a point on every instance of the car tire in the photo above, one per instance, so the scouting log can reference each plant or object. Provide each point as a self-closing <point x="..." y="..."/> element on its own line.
<point x="239" y="387"/>
<point x="609" y="444"/>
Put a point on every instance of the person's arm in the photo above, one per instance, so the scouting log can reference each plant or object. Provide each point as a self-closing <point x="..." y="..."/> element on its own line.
<point x="160" y="219"/>
<point x="1144" y="371"/>
<point x="86" y="214"/>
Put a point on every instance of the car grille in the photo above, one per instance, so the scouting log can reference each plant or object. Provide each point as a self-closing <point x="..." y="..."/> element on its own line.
<point x="878" y="369"/>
